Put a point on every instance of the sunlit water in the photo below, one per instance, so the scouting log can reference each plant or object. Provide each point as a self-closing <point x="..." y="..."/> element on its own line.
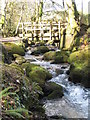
<point x="75" y="95"/>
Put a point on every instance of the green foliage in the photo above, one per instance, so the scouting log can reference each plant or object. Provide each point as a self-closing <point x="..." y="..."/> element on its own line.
<point x="3" y="93"/>
<point x="8" y="108"/>
<point x="27" y="90"/>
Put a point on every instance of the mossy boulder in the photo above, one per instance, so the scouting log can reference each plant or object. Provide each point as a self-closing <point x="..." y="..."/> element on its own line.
<point x="56" y="56"/>
<point x="16" y="66"/>
<point x="53" y="90"/>
<point x="6" y="58"/>
<point x="36" y="73"/>
<point x="28" y="67"/>
<point x="12" y="48"/>
<point x="40" y="50"/>
<point x="19" y="59"/>
<point x="40" y="75"/>
<point x="49" y="55"/>
<point x="80" y="67"/>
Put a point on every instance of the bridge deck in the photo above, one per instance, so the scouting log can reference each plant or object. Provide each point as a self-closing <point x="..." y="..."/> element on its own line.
<point x="10" y="39"/>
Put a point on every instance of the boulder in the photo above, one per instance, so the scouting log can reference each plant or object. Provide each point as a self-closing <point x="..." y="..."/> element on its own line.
<point x="6" y="57"/>
<point x="56" y="56"/>
<point x="36" y="73"/>
<point x="80" y="67"/>
<point x="12" y="48"/>
<point x="40" y="50"/>
<point x="19" y="59"/>
<point x="53" y="90"/>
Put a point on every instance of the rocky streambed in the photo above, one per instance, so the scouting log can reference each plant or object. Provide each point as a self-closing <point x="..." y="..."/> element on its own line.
<point x="74" y="103"/>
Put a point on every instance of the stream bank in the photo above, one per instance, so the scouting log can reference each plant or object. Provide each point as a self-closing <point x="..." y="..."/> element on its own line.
<point x="74" y="103"/>
<point x="69" y="102"/>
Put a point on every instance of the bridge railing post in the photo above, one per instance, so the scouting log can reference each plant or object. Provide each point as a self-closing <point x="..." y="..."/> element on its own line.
<point x="50" y="31"/>
<point x="59" y="32"/>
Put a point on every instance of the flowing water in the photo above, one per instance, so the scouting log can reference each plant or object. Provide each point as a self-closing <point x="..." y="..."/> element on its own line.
<point x="74" y="104"/>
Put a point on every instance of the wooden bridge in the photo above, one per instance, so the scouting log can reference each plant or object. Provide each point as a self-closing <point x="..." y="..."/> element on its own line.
<point x="40" y="31"/>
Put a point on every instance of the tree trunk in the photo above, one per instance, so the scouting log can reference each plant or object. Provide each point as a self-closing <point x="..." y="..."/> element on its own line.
<point x="73" y="23"/>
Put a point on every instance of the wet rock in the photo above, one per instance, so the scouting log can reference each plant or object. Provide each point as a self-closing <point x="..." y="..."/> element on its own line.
<point x="40" y="50"/>
<point x="53" y="91"/>
<point x="25" y="42"/>
<point x="59" y="71"/>
<point x="55" y="117"/>
<point x="63" y="67"/>
<point x="68" y="72"/>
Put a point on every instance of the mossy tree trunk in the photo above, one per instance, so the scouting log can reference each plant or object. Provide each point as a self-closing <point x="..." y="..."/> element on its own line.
<point x="73" y="27"/>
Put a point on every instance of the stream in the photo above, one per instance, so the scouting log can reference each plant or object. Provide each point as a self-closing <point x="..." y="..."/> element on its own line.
<point x="74" y="103"/>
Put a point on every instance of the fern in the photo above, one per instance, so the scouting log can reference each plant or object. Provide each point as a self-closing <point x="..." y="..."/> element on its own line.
<point x="17" y="112"/>
<point x="4" y="91"/>
<point x="14" y="114"/>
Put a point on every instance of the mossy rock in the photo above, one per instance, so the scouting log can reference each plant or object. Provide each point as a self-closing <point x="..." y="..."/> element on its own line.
<point x="16" y="66"/>
<point x="80" y="67"/>
<point x="49" y="55"/>
<point x="28" y="67"/>
<point x="40" y="75"/>
<point x="12" y="48"/>
<point x="79" y="56"/>
<point x="19" y="60"/>
<point x="80" y="76"/>
<point x="53" y="90"/>
<point x="36" y="73"/>
<point x="6" y="58"/>
<point x="56" y="57"/>
<point x="40" y="50"/>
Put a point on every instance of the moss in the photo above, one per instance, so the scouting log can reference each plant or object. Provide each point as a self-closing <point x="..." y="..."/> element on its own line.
<point x="79" y="56"/>
<point x="79" y="71"/>
<point x="57" y="57"/>
<point x="49" y="55"/>
<point x="19" y="60"/>
<point x="15" y="66"/>
<point x="40" y="75"/>
<point x="36" y="73"/>
<point x="12" y="48"/>
<point x="40" y="50"/>
<point x="6" y="58"/>
<point x="29" y="67"/>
